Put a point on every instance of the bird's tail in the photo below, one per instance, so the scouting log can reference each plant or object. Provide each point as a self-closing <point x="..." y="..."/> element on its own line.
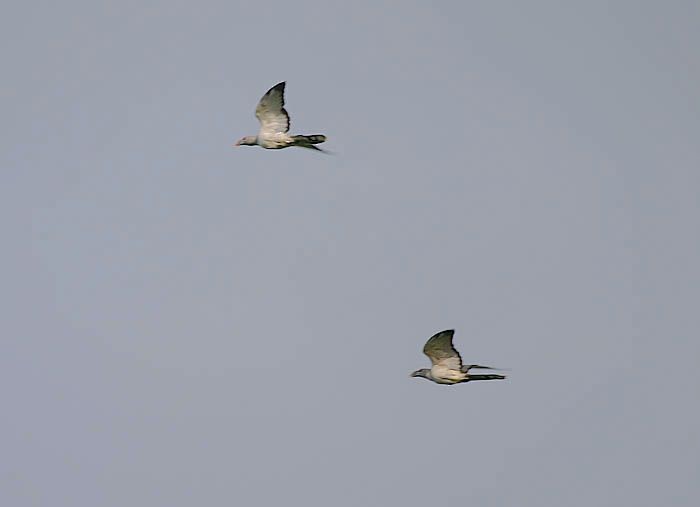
<point x="485" y="377"/>
<point x="468" y="367"/>
<point x="312" y="139"/>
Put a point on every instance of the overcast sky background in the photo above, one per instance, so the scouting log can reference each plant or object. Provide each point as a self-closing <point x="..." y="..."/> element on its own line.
<point x="185" y="323"/>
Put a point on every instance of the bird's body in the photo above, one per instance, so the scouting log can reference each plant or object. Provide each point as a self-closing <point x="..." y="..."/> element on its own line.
<point x="447" y="363"/>
<point x="445" y="375"/>
<point x="274" y="125"/>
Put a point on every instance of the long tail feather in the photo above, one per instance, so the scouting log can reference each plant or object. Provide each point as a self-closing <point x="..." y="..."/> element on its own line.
<point x="468" y="367"/>
<point x="485" y="377"/>
<point x="312" y="147"/>
<point x="312" y="139"/>
<point x="309" y="141"/>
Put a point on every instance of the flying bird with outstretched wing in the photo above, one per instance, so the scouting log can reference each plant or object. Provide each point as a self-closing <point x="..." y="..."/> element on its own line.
<point x="447" y="363"/>
<point x="274" y="125"/>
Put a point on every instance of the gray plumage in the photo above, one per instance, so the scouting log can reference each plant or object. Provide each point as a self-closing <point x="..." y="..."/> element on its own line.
<point x="447" y="363"/>
<point x="274" y="125"/>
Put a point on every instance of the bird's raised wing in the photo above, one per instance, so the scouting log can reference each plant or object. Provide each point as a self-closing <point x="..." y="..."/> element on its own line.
<point x="270" y="112"/>
<point x="441" y="352"/>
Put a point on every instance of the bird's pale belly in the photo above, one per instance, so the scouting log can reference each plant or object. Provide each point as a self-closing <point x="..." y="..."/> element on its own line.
<point x="274" y="145"/>
<point x="447" y="376"/>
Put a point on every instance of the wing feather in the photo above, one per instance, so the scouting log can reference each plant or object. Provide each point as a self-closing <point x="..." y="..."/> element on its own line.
<point x="441" y="351"/>
<point x="270" y="112"/>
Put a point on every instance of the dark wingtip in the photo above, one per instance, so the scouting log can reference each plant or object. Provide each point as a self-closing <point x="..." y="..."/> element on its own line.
<point x="279" y="87"/>
<point x="451" y="332"/>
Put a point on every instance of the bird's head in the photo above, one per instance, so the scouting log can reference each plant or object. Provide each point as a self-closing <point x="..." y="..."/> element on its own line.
<point x="247" y="141"/>
<point x="424" y="372"/>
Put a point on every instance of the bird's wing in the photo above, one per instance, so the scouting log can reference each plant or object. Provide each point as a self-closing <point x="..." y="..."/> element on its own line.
<point x="270" y="112"/>
<point x="441" y="352"/>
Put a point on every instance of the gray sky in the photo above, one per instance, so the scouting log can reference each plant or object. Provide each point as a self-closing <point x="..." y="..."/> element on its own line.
<point x="187" y="323"/>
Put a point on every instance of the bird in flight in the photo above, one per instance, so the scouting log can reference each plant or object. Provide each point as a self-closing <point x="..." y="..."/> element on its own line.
<point x="274" y="125"/>
<point x="447" y="363"/>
